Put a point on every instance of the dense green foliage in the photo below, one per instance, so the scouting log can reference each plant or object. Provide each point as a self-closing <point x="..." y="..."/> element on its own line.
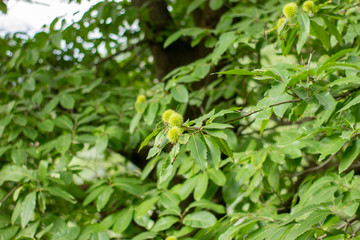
<point x="264" y="132"/>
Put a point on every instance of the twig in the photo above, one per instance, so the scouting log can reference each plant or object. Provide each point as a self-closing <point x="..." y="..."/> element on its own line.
<point x="9" y="194"/>
<point x="314" y="168"/>
<point x="290" y="101"/>
<point x="128" y="48"/>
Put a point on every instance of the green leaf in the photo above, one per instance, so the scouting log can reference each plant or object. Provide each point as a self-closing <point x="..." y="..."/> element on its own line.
<point x="326" y="100"/>
<point x="241" y="72"/>
<point x="60" y="193"/>
<point x="67" y="101"/>
<point x="145" y="206"/>
<point x="135" y="122"/>
<point x="172" y="38"/>
<point x="215" y="4"/>
<point x="93" y="194"/>
<point x="164" y="223"/>
<point x="51" y="105"/>
<point x="349" y="155"/>
<point x="64" y="122"/>
<point x="214" y="154"/>
<point x="151" y="112"/>
<point x="201" y="186"/>
<point x="123" y="220"/>
<point x="180" y="93"/>
<point x="217" y="176"/>
<point x="217" y="126"/>
<point x="200" y="220"/>
<point x="353" y="102"/>
<point x="198" y="151"/>
<point x="258" y="158"/>
<point x="304" y="23"/>
<point x="63" y="143"/>
<point x="194" y="5"/>
<point x="28" y="208"/>
<point x="18" y="156"/>
<point x="103" y="198"/>
<point x="46" y="126"/>
<point x="208" y="205"/>
<point x="344" y="81"/>
<point x="56" y="39"/>
<point x="148" y="138"/>
<point x="321" y="34"/>
<point x="4" y="122"/>
<point x="332" y="28"/>
<point x="42" y="170"/>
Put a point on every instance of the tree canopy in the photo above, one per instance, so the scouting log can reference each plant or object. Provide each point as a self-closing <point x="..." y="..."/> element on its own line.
<point x="183" y="119"/>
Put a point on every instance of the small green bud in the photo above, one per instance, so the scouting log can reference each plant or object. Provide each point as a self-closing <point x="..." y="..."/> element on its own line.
<point x="140" y="104"/>
<point x="141" y="98"/>
<point x="174" y="134"/>
<point x="290" y="9"/>
<point x="308" y="6"/>
<point x="166" y="115"/>
<point x="175" y="119"/>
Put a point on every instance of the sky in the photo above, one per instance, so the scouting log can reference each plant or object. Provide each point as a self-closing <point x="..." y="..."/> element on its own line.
<point x="30" y="17"/>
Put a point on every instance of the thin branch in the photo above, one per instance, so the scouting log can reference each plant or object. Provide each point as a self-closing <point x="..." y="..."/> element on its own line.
<point x="9" y="194"/>
<point x="110" y="57"/>
<point x="343" y="95"/>
<point x="314" y="169"/>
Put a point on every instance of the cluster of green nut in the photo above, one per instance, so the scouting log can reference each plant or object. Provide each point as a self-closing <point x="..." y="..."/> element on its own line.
<point x="175" y="120"/>
<point x="290" y="9"/>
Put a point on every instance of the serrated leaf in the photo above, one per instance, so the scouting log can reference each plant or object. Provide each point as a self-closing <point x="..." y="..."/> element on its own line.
<point x="201" y="186"/>
<point x="304" y="23"/>
<point x="123" y="220"/>
<point x="180" y="93"/>
<point x="321" y="34"/>
<point x="28" y="208"/>
<point x="200" y="220"/>
<point x="207" y="205"/>
<point x="164" y="223"/>
<point x="198" y="151"/>
<point x="67" y="101"/>
<point x="60" y="193"/>
<point x="350" y="154"/>
<point x="148" y="138"/>
<point x="325" y="99"/>
<point x="353" y="102"/>
<point x="18" y="156"/>
<point x="63" y="143"/>
<point x="64" y="122"/>
<point x="217" y="176"/>
<point x="103" y="198"/>
<point x="214" y="154"/>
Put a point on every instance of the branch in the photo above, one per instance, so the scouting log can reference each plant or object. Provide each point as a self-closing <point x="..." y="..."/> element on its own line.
<point x="9" y="194"/>
<point x="128" y="48"/>
<point x="340" y="96"/>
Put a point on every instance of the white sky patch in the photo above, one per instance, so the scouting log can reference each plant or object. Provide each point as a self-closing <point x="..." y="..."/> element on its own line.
<point x="31" y="17"/>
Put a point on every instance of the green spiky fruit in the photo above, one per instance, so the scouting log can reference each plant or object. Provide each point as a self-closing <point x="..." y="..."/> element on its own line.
<point x="174" y="134"/>
<point x="290" y="9"/>
<point x="175" y="119"/>
<point x="166" y="115"/>
<point x="308" y="6"/>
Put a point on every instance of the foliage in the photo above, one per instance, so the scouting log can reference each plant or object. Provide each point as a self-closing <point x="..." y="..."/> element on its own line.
<point x="265" y="139"/>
